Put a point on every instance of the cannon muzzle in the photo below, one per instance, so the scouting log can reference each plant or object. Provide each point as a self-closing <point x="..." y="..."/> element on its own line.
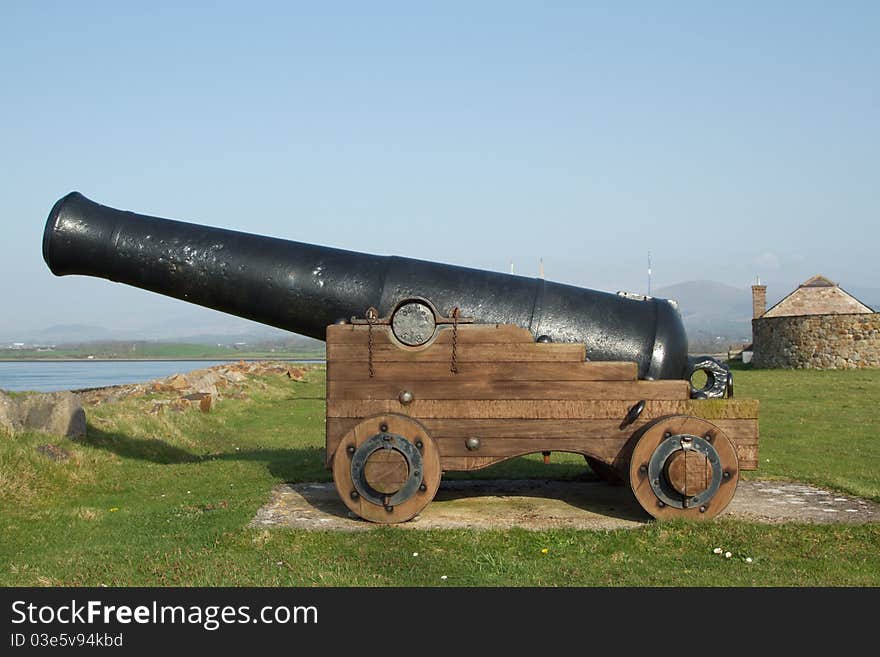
<point x="303" y="287"/>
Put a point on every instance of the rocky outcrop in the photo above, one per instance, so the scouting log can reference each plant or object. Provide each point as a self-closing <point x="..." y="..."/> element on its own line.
<point x="198" y="389"/>
<point x="55" y="413"/>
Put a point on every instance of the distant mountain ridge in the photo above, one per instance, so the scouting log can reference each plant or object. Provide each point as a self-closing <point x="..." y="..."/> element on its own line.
<point x="713" y="313"/>
<point x="716" y="313"/>
<point x="224" y="330"/>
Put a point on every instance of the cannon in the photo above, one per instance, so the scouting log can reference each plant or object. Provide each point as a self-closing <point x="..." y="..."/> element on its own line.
<point x="434" y="367"/>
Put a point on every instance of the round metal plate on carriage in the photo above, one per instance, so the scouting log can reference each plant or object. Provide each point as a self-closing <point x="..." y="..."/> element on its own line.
<point x="386" y="469"/>
<point x="413" y="323"/>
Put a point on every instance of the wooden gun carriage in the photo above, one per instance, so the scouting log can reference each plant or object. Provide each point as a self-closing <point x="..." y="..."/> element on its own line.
<point x="472" y="395"/>
<point x="526" y="365"/>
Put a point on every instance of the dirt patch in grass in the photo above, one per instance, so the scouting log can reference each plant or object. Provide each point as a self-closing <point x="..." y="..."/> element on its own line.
<point x="543" y="505"/>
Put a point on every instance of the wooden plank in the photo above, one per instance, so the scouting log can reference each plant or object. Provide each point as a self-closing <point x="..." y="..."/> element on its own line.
<point x="584" y="429"/>
<point x="499" y="371"/>
<point x="689" y="472"/>
<point x="514" y="434"/>
<point x="527" y="390"/>
<point x="468" y="463"/>
<point x="745" y="437"/>
<point x="547" y="409"/>
<point x="465" y="353"/>
<point x="600" y="446"/>
<point x="514" y="437"/>
<point x="534" y="430"/>
<point x="467" y="334"/>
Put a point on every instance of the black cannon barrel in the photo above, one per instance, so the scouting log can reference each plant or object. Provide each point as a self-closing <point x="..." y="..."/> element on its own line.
<point x="303" y="287"/>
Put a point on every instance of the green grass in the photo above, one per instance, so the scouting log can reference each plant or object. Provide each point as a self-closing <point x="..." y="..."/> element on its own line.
<point x="165" y="499"/>
<point x="819" y="427"/>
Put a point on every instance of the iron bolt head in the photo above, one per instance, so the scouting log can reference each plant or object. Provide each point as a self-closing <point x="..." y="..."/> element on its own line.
<point x="544" y="339"/>
<point x="419" y="444"/>
<point x="350" y="449"/>
<point x="389" y="508"/>
<point x="643" y="468"/>
<point x="661" y="503"/>
<point x="354" y="495"/>
<point x="405" y="397"/>
<point x="703" y="509"/>
<point x="340" y="321"/>
<point x="473" y="444"/>
<point x="422" y="487"/>
<point x="383" y="427"/>
<point x="726" y="474"/>
<point x="710" y="436"/>
<point x="667" y="434"/>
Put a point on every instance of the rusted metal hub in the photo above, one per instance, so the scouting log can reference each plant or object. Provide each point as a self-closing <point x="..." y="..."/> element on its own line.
<point x="684" y="471"/>
<point x="386" y="469"/>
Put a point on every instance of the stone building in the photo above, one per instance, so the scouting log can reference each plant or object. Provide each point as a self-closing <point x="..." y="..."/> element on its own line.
<point x="819" y="325"/>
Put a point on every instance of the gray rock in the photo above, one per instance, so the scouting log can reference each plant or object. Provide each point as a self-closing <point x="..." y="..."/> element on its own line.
<point x="233" y="376"/>
<point x="204" y="381"/>
<point x="55" y="413"/>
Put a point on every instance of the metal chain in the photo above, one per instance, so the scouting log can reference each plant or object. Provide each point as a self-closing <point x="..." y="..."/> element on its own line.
<point x="371" y="314"/>
<point x="454" y="366"/>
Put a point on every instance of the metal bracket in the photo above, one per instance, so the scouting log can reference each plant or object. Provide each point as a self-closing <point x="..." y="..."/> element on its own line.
<point x="633" y="414"/>
<point x="438" y="318"/>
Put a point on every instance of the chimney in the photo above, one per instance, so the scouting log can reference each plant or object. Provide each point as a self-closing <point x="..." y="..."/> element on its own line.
<point x="759" y="299"/>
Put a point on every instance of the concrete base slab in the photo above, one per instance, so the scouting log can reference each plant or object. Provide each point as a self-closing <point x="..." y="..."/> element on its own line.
<point x="542" y="504"/>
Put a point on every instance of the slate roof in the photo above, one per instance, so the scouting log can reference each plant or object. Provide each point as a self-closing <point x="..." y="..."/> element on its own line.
<point x="818" y="296"/>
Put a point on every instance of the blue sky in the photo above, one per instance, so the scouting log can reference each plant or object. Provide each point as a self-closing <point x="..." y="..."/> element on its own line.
<point x="730" y="141"/>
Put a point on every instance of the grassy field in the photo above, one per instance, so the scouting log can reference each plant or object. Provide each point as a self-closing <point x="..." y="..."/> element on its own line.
<point x="165" y="500"/>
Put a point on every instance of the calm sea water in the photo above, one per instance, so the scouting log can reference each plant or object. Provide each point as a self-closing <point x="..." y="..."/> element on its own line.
<point x="48" y="376"/>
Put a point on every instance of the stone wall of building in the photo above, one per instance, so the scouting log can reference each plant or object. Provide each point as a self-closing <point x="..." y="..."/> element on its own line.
<point x="817" y="341"/>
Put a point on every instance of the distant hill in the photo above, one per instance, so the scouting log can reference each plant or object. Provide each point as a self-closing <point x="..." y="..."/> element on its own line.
<point x="223" y="329"/>
<point x="714" y="313"/>
<point x="67" y="333"/>
<point x="192" y="325"/>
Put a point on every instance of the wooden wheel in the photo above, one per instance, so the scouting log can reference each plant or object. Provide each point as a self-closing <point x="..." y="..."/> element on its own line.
<point x="387" y="468"/>
<point x="684" y="467"/>
<point x="607" y="473"/>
